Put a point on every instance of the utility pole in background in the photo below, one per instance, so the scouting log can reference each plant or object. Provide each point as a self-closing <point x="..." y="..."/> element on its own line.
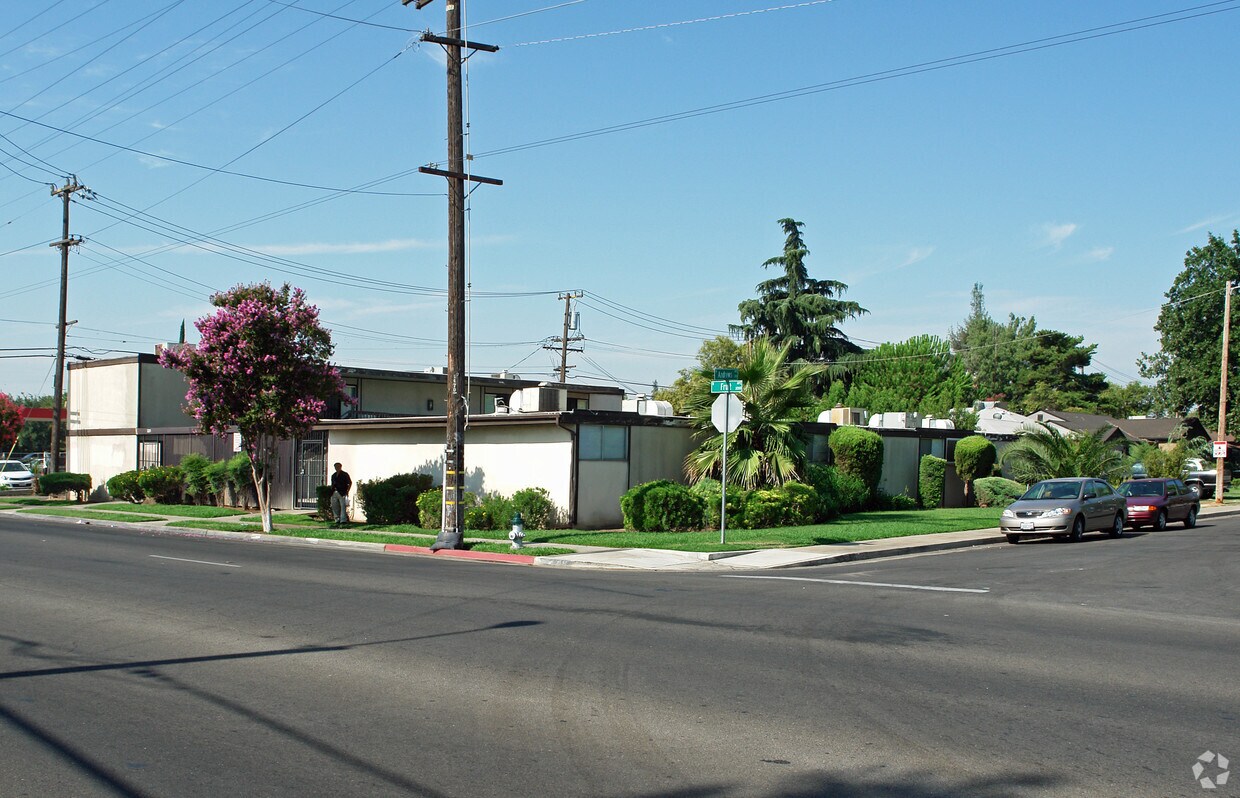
<point x="564" y="340"/>
<point x="66" y="192"/>
<point x="1222" y="396"/>
<point x="451" y="532"/>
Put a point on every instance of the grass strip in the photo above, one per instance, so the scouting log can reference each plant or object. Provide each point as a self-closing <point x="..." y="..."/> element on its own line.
<point x="533" y="551"/>
<point x="92" y="515"/>
<point x="217" y="526"/>
<point x="31" y="501"/>
<point x="847" y="529"/>
<point x="178" y="510"/>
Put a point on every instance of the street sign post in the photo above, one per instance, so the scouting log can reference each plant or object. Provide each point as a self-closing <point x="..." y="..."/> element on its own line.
<point x="726" y="413"/>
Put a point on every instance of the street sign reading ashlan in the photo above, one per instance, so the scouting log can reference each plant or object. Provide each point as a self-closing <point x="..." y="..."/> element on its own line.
<point x="726" y="386"/>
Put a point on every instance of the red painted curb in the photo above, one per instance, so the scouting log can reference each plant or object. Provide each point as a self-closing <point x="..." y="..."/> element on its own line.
<point x="524" y="559"/>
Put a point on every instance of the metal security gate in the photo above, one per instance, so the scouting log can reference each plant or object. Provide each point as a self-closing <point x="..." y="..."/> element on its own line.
<point x="311" y="465"/>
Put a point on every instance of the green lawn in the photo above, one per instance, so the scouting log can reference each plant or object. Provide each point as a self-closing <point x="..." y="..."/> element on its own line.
<point x="35" y="501"/>
<point x="92" y="515"/>
<point x="858" y="526"/>
<point x="178" y="510"/>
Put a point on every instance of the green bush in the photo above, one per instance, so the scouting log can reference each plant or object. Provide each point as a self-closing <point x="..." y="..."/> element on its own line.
<point x="430" y="507"/>
<point x="323" y="502"/>
<point x="838" y="492"/>
<point x="632" y="504"/>
<point x="217" y="480"/>
<point x="997" y="491"/>
<point x="536" y="508"/>
<point x="710" y="491"/>
<point x="124" y="486"/>
<point x="931" y="477"/>
<point x="901" y="501"/>
<point x="671" y="508"/>
<point x="63" y="482"/>
<point x="791" y="504"/>
<point x="975" y="457"/>
<point x="197" y="485"/>
<point x="493" y="511"/>
<point x="393" y="500"/>
<point x="241" y="478"/>
<point x="164" y="484"/>
<point x="859" y="452"/>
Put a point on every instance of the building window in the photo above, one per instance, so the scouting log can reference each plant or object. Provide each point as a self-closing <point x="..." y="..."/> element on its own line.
<point x="150" y="454"/>
<point x="596" y="442"/>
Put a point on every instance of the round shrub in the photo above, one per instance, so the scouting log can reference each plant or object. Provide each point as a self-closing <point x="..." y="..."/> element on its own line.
<point x="671" y="508"/>
<point x="124" y="486"/>
<point x="492" y="512"/>
<point x="536" y="508"/>
<point x="997" y="491"/>
<point x="931" y="476"/>
<point x="63" y="482"/>
<point x="858" y="451"/>
<point x="164" y="484"/>
<point x="393" y="500"/>
<point x="430" y="507"/>
<point x="839" y="492"/>
<point x="764" y="509"/>
<point x="632" y="504"/>
<point x="710" y="492"/>
<point x="194" y="469"/>
<point x="975" y="456"/>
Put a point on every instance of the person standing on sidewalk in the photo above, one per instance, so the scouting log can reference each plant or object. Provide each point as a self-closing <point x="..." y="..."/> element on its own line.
<point x="341" y="483"/>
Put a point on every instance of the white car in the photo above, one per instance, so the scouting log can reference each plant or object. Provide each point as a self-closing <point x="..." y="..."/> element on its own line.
<point x="13" y="474"/>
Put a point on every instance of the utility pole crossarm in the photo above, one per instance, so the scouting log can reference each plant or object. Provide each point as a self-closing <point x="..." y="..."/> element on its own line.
<point x="66" y="241"/>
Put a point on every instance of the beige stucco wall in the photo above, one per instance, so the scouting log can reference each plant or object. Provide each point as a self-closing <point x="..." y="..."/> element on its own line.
<point x="658" y="453"/>
<point x="498" y="459"/>
<point x="600" y="484"/>
<point x="396" y="396"/>
<point x="104" y="397"/>
<point x="103" y="457"/>
<point x="163" y="396"/>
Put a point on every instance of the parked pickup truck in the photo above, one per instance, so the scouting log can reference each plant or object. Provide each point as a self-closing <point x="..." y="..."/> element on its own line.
<point x="1199" y="476"/>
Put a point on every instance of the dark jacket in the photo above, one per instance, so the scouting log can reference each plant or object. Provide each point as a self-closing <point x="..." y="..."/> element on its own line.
<point x="341" y="482"/>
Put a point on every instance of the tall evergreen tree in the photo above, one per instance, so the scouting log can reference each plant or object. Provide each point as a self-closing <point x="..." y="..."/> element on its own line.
<point x="797" y="311"/>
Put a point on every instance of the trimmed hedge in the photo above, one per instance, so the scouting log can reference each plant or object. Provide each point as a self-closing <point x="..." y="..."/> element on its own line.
<point x="124" y="486"/>
<point x="632" y="504"/>
<point x="164" y="484"/>
<point x="997" y="491"/>
<point x="323" y="502"/>
<point x="63" y="482"/>
<point x="536" y="508"/>
<point x="838" y="492"/>
<point x="975" y="457"/>
<point x="393" y="500"/>
<point x="671" y="507"/>
<point x="858" y="451"/>
<point x="194" y="469"/>
<point x="430" y="507"/>
<point x="711" y="492"/>
<point x="931" y="477"/>
<point x="791" y="504"/>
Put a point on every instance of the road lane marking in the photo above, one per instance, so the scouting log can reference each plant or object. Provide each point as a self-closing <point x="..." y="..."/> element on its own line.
<point x="200" y="562"/>
<point x="863" y="584"/>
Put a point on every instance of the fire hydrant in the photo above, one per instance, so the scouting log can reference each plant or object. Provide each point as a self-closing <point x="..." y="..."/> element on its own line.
<point x="517" y="535"/>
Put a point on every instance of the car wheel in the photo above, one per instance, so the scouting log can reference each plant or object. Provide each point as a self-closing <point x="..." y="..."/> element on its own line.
<point x="1078" y="529"/>
<point x="1160" y="521"/>
<point x="1190" y="520"/>
<point x="1117" y="527"/>
<point x="1013" y="538"/>
<point x="1195" y="489"/>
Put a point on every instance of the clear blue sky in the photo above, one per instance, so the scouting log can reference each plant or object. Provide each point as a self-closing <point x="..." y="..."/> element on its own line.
<point x="1069" y="180"/>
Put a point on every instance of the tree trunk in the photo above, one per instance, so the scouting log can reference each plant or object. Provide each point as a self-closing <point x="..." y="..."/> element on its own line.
<point x="262" y="484"/>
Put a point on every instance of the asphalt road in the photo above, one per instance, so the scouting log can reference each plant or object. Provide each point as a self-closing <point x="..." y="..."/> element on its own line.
<point x="142" y="665"/>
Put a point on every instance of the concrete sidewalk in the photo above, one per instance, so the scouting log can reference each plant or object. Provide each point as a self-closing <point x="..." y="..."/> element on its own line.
<point x="663" y="560"/>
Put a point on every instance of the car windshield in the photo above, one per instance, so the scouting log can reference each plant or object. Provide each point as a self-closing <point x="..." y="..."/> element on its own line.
<point x="1053" y="490"/>
<point x="12" y="465"/>
<point x="1141" y="489"/>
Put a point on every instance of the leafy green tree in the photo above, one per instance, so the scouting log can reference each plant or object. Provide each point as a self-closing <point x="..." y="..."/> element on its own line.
<point x="1046" y="453"/>
<point x="975" y="457"/>
<point x="765" y="450"/>
<point x="797" y="311"/>
<point x="919" y="375"/>
<point x="1030" y="368"/>
<point x="1190" y="328"/>
<point x="1122" y="401"/>
<point x="35" y="436"/>
<point x="719" y="352"/>
<point x="10" y="424"/>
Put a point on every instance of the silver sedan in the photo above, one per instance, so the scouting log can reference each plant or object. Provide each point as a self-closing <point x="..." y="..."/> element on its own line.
<point x="1065" y="509"/>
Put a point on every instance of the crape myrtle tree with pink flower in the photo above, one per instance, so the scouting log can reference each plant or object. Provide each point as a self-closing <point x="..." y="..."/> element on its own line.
<point x="261" y="366"/>
<point x="10" y="424"/>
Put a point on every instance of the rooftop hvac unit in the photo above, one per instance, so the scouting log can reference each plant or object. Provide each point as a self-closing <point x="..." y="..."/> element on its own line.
<point x="543" y="399"/>
<point x="435" y="370"/>
<point x="647" y="407"/>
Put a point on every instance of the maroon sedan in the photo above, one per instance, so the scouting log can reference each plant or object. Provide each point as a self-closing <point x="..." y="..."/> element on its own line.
<point x="1157" y="502"/>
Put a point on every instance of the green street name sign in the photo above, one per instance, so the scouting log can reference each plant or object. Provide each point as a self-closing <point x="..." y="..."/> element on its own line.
<point x="726" y="386"/>
<point x="727" y="374"/>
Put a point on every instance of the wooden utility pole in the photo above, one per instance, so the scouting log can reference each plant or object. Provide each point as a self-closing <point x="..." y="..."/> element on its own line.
<point x="451" y="532"/>
<point x="66" y="192"/>
<point x="1222" y="395"/>
<point x="564" y="340"/>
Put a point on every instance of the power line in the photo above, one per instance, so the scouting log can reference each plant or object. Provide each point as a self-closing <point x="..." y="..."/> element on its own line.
<point x="875" y="77"/>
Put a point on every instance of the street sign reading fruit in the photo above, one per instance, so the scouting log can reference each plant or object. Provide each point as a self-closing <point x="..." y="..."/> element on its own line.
<point x="726" y="386"/>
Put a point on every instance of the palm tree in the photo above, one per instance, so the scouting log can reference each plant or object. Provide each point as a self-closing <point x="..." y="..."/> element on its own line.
<point x="765" y="450"/>
<point x="1046" y="453"/>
